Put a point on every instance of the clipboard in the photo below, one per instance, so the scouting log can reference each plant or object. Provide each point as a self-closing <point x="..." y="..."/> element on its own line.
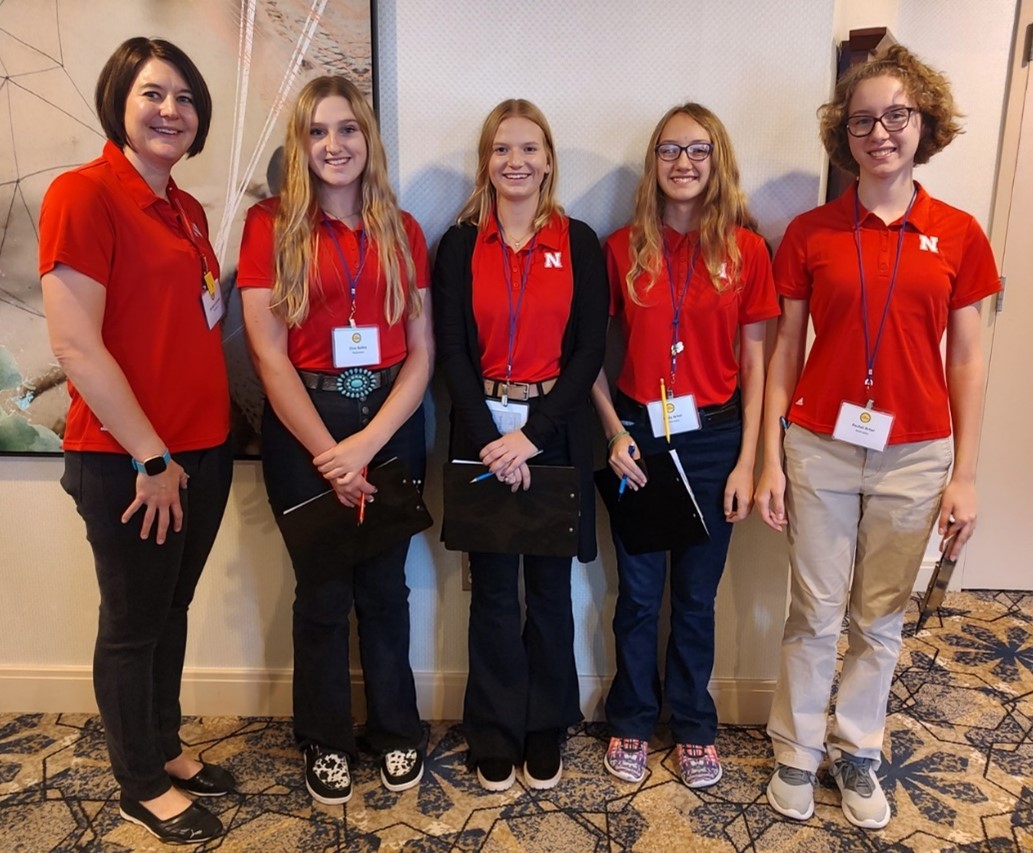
<point x="938" y="583"/>
<point x="323" y="531"/>
<point x="659" y="517"/>
<point x="487" y="516"/>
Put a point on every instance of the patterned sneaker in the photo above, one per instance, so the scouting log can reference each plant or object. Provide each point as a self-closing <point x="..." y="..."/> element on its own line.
<point x="626" y="758"/>
<point x="791" y="791"/>
<point x="326" y="775"/>
<point x="698" y="765"/>
<point x="864" y="803"/>
<point x="401" y="769"/>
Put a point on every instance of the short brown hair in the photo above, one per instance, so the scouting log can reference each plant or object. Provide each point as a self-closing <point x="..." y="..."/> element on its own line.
<point x="119" y="72"/>
<point x="928" y="88"/>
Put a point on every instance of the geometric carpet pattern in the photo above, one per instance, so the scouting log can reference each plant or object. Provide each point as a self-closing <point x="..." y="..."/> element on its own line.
<point x="957" y="769"/>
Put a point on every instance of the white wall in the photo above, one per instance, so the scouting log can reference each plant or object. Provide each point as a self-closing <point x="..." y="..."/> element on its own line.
<point x="603" y="74"/>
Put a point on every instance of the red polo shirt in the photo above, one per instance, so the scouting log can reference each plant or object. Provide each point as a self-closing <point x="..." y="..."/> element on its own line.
<point x="102" y="220"/>
<point x="709" y="322"/>
<point x="946" y="263"/>
<point x="543" y="311"/>
<point x="309" y="346"/>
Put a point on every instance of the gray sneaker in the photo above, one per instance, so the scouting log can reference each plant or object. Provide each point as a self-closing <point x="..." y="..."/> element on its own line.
<point x="864" y="803"/>
<point x="791" y="791"/>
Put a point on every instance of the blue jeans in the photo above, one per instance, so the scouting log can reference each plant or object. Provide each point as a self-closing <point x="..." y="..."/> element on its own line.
<point x="633" y="704"/>
<point x="323" y="596"/>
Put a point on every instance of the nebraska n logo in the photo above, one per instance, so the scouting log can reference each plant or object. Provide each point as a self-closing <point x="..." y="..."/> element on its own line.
<point x="928" y="244"/>
<point x="554" y="260"/>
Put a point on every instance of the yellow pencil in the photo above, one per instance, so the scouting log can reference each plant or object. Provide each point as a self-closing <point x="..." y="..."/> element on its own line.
<point x="663" y="404"/>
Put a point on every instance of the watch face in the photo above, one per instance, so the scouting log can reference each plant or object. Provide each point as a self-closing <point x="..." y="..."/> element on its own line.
<point x="155" y="466"/>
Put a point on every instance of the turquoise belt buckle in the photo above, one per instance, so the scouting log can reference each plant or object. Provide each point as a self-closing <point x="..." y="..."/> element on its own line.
<point x="356" y="383"/>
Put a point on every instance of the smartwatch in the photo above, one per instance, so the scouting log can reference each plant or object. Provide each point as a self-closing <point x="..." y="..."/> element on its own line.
<point x="153" y="466"/>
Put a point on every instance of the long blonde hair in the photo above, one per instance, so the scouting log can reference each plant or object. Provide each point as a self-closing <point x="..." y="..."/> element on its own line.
<point x="480" y="206"/>
<point x="723" y="208"/>
<point x="298" y="220"/>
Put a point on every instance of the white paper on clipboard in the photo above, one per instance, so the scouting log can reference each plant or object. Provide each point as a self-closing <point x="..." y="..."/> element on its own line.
<point x="688" y="488"/>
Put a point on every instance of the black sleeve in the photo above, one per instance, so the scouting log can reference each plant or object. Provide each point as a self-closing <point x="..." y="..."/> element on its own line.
<point x="455" y="334"/>
<point x="584" y="339"/>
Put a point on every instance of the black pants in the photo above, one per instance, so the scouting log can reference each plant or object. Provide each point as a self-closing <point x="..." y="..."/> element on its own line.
<point x="145" y="590"/>
<point x="523" y="677"/>
<point x="323" y="596"/>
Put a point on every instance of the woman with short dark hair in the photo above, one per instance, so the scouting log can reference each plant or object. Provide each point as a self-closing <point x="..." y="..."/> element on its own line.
<point x="130" y="288"/>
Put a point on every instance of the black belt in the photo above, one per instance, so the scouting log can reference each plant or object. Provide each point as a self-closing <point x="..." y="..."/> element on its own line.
<point x="355" y="382"/>
<point x="709" y="416"/>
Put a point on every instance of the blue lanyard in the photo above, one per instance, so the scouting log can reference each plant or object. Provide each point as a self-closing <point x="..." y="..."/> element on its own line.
<point x="353" y="281"/>
<point x="514" y="312"/>
<point x="869" y="352"/>
<point x="677" y="301"/>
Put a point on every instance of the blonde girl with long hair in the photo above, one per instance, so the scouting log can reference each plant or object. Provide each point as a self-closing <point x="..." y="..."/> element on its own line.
<point x="538" y="354"/>
<point x="333" y="278"/>
<point x="691" y="294"/>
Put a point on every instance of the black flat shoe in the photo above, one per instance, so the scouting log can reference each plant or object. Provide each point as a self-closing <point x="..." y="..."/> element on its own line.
<point x="209" y="781"/>
<point x="191" y="826"/>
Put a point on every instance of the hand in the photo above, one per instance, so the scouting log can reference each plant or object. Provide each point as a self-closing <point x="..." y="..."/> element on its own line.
<point x="160" y="495"/>
<point x="352" y="486"/>
<point x="738" y="493"/>
<point x="505" y="455"/>
<point x="348" y="456"/>
<point x="770" y="498"/>
<point x="622" y="461"/>
<point x="521" y="478"/>
<point x="957" y="515"/>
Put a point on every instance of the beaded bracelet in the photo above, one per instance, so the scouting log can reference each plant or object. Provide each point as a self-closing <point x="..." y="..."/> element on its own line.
<point x="623" y="432"/>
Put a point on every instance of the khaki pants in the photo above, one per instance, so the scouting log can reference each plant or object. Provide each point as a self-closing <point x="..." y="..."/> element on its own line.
<point x="859" y="523"/>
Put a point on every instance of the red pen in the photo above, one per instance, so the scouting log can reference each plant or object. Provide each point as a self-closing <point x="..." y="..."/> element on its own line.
<point x="362" y="501"/>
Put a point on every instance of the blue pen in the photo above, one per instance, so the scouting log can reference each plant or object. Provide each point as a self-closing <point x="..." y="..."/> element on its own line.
<point x="624" y="478"/>
<point x="483" y="476"/>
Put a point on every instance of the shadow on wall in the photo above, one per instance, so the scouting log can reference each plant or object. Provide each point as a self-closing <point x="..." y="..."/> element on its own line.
<point x="776" y="202"/>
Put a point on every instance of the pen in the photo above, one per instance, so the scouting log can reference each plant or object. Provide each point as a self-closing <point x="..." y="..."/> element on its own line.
<point x="362" y="502"/>
<point x="663" y="403"/>
<point x="483" y="476"/>
<point x="624" y="478"/>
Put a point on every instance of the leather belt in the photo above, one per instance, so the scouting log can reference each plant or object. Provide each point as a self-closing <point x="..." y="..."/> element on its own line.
<point x="517" y="391"/>
<point x="709" y="416"/>
<point x="332" y="381"/>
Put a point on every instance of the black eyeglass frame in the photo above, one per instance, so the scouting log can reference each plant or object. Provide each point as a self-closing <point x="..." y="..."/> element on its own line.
<point x="880" y="120"/>
<point x="686" y="148"/>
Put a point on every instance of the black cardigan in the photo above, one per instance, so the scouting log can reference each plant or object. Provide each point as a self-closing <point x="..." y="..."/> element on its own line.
<point x="581" y="357"/>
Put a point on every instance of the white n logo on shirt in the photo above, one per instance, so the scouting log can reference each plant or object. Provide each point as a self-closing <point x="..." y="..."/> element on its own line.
<point x="928" y="244"/>
<point x="554" y="260"/>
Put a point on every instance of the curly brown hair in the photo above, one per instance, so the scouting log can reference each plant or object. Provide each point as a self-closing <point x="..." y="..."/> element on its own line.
<point x="928" y="88"/>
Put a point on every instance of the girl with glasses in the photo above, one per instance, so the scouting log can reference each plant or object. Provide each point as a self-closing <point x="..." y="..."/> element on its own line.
<point x="520" y="313"/>
<point x="691" y="291"/>
<point x="882" y="272"/>
<point x="333" y="277"/>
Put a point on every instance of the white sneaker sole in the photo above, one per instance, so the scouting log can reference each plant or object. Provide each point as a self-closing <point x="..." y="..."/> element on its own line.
<point x="542" y="784"/>
<point x="625" y="777"/>
<point x="404" y="786"/>
<point x="867" y="823"/>
<point x="329" y="801"/>
<point x="496" y="786"/>
<point x="788" y="812"/>
<point x="708" y="783"/>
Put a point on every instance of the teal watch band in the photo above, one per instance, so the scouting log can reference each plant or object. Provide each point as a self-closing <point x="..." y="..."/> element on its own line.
<point x="153" y="466"/>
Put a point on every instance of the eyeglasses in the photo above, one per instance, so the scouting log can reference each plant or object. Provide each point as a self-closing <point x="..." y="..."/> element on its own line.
<point x="670" y="151"/>
<point x="892" y="121"/>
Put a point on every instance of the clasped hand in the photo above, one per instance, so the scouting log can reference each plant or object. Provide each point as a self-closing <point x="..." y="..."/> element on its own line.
<point x="343" y="466"/>
<point x="506" y="458"/>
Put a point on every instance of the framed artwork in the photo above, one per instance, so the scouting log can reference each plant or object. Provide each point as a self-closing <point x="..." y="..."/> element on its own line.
<point x="255" y="55"/>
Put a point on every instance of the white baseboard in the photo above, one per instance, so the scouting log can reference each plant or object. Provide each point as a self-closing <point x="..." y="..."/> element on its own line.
<point x="267" y="693"/>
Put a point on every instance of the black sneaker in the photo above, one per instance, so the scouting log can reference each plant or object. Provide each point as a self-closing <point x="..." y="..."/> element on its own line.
<point x="495" y="774"/>
<point x="543" y="766"/>
<point x="191" y="826"/>
<point x="326" y="775"/>
<point x="401" y="769"/>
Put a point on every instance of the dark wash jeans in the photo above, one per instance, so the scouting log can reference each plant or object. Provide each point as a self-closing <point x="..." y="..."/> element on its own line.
<point x="323" y="598"/>
<point x="633" y="704"/>
<point x="523" y="677"/>
<point x="145" y="590"/>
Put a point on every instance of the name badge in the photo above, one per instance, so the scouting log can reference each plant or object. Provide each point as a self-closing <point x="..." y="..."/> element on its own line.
<point x="211" y="302"/>
<point x="862" y="426"/>
<point x="682" y="415"/>
<point x="508" y="418"/>
<point x="356" y="346"/>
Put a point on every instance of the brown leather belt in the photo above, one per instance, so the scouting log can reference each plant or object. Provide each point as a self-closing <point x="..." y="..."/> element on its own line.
<point x="332" y="381"/>
<point x="519" y="392"/>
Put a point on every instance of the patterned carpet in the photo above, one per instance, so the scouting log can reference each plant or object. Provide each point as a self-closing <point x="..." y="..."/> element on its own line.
<point x="958" y="771"/>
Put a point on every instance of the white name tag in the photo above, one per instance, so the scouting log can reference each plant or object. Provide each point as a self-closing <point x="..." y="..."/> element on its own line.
<point x="682" y="415"/>
<point x="356" y="346"/>
<point x="211" y="301"/>
<point x="508" y="418"/>
<point x="863" y="427"/>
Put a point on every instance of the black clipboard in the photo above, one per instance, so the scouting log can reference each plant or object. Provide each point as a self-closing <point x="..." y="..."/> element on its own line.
<point x="659" y="517"/>
<point x="488" y="516"/>
<point x="323" y="531"/>
<point x="938" y="583"/>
